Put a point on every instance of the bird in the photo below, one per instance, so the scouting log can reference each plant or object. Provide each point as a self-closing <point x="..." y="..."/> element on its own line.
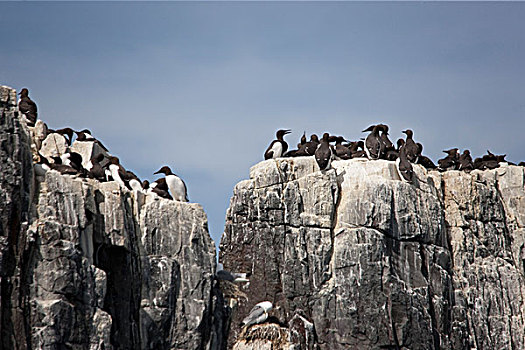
<point x="323" y="153"/>
<point x="122" y="176"/>
<point x="159" y="187"/>
<point x="354" y="150"/>
<point x="410" y="146"/>
<point x="301" y="148"/>
<point x="387" y="144"/>
<point x="278" y="147"/>
<point x="27" y="107"/>
<point x="424" y="160"/>
<point x="341" y="151"/>
<point x="465" y="161"/>
<point x="404" y="167"/>
<point x="258" y="314"/>
<point x="373" y="145"/>
<point x="85" y="136"/>
<point x="95" y="170"/>
<point x="312" y="145"/>
<point x="175" y="184"/>
<point x="450" y="162"/>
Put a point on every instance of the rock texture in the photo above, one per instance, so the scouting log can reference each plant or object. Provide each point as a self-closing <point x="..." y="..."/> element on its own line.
<point x="88" y="265"/>
<point x="366" y="261"/>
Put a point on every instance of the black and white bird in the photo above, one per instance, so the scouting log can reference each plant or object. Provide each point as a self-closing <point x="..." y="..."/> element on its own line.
<point x="374" y="147"/>
<point x="410" y="146"/>
<point x="95" y="169"/>
<point x="159" y="187"/>
<point x="465" y="161"/>
<point x="450" y="162"/>
<point x="278" y="147"/>
<point x="258" y="314"/>
<point x="175" y="184"/>
<point x="424" y="160"/>
<point x="323" y="153"/>
<point x="311" y="146"/>
<point x="85" y="136"/>
<point x="124" y="178"/>
<point x="404" y="167"/>
<point x="27" y="107"/>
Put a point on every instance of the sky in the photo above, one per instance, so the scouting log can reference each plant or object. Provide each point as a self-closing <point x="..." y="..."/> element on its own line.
<point x="204" y="86"/>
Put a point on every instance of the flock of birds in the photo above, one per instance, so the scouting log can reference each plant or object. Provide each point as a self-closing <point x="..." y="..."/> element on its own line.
<point x="103" y="166"/>
<point x="377" y="145"/>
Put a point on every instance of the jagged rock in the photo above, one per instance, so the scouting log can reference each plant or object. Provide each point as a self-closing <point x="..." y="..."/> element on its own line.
<point x="85" y="264"/>
<point x="374" y="262"/>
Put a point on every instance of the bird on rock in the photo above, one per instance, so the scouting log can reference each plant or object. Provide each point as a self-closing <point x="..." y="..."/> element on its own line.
<point x="278" y="147"/>
<point x="258" y="314"/>
<point x="323" y="154"/>
<point x="27" y="107"/>
<point x="175" y="184"/>
<point x="374" y="147"/>
<point x="410" y="146"/>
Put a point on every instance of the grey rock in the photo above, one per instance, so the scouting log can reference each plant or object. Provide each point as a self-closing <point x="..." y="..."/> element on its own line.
<point x="372" y="262"/>
<point x="89" y="265"/>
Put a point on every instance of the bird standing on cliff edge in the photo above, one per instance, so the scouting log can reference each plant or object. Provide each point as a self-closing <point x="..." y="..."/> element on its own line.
<point x="278" y="147"/>
<point x="27" y="107"/>
<point x="175" y="184"/>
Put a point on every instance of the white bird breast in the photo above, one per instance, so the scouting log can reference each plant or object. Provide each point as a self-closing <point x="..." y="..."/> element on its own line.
<point x="177" y="188"/>
<point x="277" y="149"/>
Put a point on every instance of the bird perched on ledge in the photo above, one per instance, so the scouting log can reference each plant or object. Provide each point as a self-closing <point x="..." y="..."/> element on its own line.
<point x="27" y="107"/>
<point x="258" y="314"/>
<point x="278" y="147"/>
<point x="175" y="184"/>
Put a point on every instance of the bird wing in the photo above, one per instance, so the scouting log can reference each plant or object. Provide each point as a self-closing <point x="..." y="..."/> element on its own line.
<point x="275" y="150"/>
<point x="254" y="316"/>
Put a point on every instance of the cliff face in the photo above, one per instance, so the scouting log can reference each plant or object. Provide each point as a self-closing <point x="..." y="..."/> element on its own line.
<point x="354" y="258"/>
<point x="88" y="265"/>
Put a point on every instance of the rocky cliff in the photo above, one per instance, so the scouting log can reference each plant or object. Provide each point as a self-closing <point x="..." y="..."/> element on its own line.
<point x="355" y="258"/>
<point x="89" y="265"/>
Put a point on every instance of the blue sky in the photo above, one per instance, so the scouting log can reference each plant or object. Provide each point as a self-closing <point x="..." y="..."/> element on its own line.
<point x="203" y="86"/>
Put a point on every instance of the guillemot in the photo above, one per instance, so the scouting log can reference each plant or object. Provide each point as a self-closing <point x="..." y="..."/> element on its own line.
<point x="410" y="146"/>
<point x="278" y="147"/>
<point x="373" y="146"/>
<point x="258" y="314"/>
<point x="27" y="107"/>
<point x="465" y="161"/>
<point x="404" y="167"/>
<point x="175" y="184"/>
<point x="323" y="153"/>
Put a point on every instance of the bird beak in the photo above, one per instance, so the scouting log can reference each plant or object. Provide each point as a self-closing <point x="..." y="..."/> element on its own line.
<point x="287" y="131"/>
<point x="157" y="172"/>
<point x="404" y="131"/>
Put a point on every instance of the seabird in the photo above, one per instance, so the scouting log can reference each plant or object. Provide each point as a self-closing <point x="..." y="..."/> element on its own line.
<point x="85" y="135"/>
<point x="354" y="150"/>
<point x="27" y="107"/>
<point x="465" y="161"/>
<point x="404" y="167"/>
<point x="410" y="145"/>
<point x="323" y="153"/>
<point x="341" y="151"/>
<point x="258" y="314"/>
<point x="278" y="147"/>
<point x="387" y="144"/>
<point x="301" y="148"/>
<point x="373" y="146"/>
<point x="424" y="160"/>
<point x="96" y="170"/>
<point x="450" y="162"/>
<point x="311" y="146"/>
<point x="58" y="166"/>
<point x="175" y="184"/>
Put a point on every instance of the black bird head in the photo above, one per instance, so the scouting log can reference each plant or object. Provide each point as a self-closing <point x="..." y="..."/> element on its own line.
<point x="451" y="152"/>
<point x="314" y="138"/>
<point x="145" y="184"/>
<point x="303" y="138"/>
<point x="326" y="137"/>
<point x="384" y="128"/>
<point x="419" y="148"/>
<point x="164" y="170"/>
<point x="114" y="160"/>
<point x="408" y="132"/>
<point x="370" y="128"/>
<point x="24" y="92"/>
<point x="466" y="152"/>
<point x="282" y="132"/>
